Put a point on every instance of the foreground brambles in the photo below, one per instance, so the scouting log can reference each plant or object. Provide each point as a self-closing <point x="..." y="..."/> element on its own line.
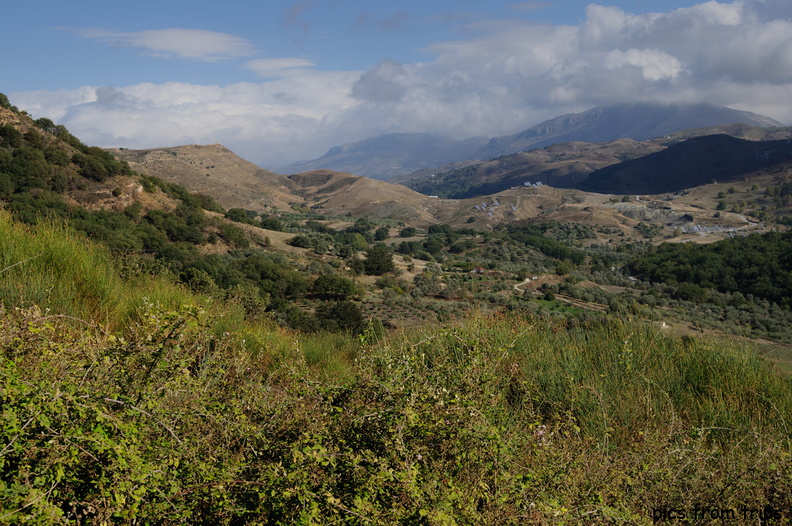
<point x="495" y="420"/>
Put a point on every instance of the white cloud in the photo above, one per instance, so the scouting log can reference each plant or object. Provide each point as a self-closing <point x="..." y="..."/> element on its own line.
<point x="655" y="65"/>
<point x="499" y="77"/>
<point x="182" y="43"/>
<point x="271" y="123"/>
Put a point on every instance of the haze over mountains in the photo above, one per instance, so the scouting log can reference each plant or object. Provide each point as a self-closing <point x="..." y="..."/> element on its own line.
<point x="388" y="156"/>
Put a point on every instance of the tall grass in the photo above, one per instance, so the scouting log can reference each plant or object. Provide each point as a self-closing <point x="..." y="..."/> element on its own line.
<point x="53" y="268"/>
<point x="64" y="274"/>
<point x="615" y="377"/>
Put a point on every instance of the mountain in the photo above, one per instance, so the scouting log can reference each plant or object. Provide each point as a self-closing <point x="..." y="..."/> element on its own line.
<point x="386" y="156"/>
<point x="565" y="165"/>
<point x="690" y="163"/>
<point x="397" y="155"/>
<point x="560" y="165"/>
<point x="638" y="121"/>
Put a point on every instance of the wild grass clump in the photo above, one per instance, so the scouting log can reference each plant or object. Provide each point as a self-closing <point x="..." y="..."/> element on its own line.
<point x="64" y="274"/>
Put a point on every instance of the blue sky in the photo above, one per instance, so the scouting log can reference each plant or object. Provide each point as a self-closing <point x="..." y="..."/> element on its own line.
<point x="281" y="81"/>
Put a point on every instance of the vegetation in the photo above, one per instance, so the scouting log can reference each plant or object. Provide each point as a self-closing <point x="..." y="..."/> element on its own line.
<point x="145" y="379"/>
<point x="758" y="265"/>
<point x="497" y="420"/>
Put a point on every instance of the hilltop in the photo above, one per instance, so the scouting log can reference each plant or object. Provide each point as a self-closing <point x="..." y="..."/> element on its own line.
<point x="213" y="170"/>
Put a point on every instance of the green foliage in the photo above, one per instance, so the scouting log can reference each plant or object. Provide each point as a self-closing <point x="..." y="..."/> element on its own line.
<point x="533" y="236"/>
<point x="493" y="421"/>
<point x="408" y="231"/>
<point x="381" y="234"/>
<point x="239" y="215"/>
<point x="379" y="260"/>
<point x="330" y="286"/>
<point x="341" y="315"/>
<point x="758" y="265"/>
<point x="5" y="103"/>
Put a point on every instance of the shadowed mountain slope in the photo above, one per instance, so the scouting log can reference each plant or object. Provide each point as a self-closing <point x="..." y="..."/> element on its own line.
<point x="690" y="163"/>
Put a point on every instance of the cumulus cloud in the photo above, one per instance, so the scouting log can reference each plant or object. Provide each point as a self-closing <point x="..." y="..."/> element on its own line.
<point x="274" y="122"/>
<point x="182" y="43"/>
<point x="499" y="77"/>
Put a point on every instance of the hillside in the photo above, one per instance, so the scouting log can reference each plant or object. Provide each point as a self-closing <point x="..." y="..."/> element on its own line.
<point x="560" y="165"/>
<point x="189" y="412"/>
<point x="236" y="183"/>
<point x="690" y="163"/>
<point x="213" y="170"/>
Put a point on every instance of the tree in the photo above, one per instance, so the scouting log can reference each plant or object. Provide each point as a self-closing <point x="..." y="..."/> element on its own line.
<point x="341" y="315"/>
<point x="379" y="260"/>
<point x="328" y="286"/>
<point x="237" y="214"/>
<point x="381" y="234"/>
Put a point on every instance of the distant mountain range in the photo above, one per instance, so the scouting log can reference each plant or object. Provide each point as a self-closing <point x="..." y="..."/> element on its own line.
<point x="573" y="164"/>
<point x="388" y="156"/>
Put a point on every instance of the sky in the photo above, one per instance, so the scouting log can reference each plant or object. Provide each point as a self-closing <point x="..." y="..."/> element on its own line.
<point x="281" y="81"/>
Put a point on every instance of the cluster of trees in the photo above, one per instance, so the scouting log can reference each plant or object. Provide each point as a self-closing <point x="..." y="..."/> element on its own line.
<point x="439" y="239"/>
<point x="534" y="236"/>
<point x="261" y="220"/>
<point x="759" y="265"/>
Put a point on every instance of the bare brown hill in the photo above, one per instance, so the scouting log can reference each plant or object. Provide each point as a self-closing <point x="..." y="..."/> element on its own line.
<point x="214" y="170"/>
<point x="338" y="193"/>
<point x="235" y="183"/>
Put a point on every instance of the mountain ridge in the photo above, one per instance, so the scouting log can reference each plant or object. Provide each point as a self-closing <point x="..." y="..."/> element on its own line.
<point x="396" y="155"/>
<point x="638" y="121"/>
